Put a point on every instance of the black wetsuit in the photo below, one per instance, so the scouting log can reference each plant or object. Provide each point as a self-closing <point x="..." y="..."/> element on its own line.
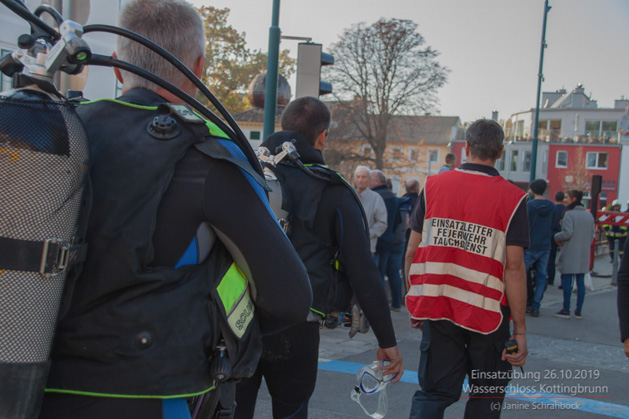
<point x="290" y="358"/>
<point x="206" y="200"/>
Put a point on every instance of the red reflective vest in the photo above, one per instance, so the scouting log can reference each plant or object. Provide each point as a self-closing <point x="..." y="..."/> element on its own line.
<point x="457" y="271"/>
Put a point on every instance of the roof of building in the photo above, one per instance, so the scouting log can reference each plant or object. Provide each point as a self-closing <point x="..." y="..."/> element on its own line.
<point x="427" y="129"/>
<point x="255" y="115"/>
<point x="412" y="129"/>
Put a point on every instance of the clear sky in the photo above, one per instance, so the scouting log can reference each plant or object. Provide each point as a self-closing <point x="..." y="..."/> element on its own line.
<point x="492" y="47"/>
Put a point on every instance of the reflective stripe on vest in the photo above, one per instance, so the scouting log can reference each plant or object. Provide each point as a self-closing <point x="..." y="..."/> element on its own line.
<point x="457" y="272"/>
<point x="234" y="294"/>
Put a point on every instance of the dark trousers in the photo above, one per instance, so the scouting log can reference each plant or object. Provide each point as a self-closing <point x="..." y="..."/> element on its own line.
<point x="551" y="263"/>
<point x="289" y="366"/>
<point x="531" y="281"/>
<point x="612" y="249"/>
<point x="393" y="273"/>
<point x="448" y="353"/>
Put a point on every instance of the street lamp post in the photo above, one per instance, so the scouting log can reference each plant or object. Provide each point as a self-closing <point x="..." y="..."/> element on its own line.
<point x="270" y="95"/>
<point x="540" y="78"/>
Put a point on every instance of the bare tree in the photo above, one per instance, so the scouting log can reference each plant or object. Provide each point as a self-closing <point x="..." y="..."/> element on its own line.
<point x="229" y="64"/>
<point x="382" y="70"/>
<point x="576" y="176"/>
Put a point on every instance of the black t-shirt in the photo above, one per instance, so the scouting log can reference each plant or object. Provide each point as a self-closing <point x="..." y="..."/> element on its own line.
<point x="518" y="230"/>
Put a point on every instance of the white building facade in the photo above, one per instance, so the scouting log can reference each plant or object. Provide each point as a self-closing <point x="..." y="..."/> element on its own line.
<point x="95" y="82"/>
<point x="564" y="117"/>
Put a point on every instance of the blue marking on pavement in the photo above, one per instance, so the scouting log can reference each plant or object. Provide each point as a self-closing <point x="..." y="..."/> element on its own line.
<point x="551" y="399"/>
<point x="353" y="367"/>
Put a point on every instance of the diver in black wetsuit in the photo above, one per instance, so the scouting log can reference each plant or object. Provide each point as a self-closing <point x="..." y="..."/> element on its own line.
<point x="325" y="218"/>
<point x="172" y="235"/>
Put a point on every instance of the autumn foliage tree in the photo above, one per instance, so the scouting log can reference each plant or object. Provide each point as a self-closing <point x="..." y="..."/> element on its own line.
<point x="382" y="70"/>
<point x="229" y="64"/>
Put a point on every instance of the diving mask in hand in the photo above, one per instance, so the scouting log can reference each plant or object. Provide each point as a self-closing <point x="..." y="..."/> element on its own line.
<point x="371" y="381"/>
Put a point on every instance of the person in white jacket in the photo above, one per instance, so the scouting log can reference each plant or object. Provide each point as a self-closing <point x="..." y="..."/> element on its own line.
<point x="375" y="210"/>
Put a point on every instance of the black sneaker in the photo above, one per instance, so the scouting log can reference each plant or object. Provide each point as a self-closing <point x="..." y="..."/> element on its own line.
<point x="562" y="314"/>
<point x="534" y="312"/>
<point x="331" y="322"/>
<point x="528" y="309"/>
<point x="577" y="315"/>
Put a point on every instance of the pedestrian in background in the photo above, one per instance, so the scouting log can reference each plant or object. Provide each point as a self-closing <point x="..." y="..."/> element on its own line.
<point x="575" y="239"/>
<point x="541" y="214"/>
<point x="616" y="235"/>
<point x="373" y="204"/>
<point x="407" y="204"/>
<point x="558" y="213"/>
<point x="450" y="162"/>
<point x="384" y="245"/>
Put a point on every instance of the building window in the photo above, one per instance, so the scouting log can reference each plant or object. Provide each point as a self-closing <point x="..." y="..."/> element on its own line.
<point x="514" y="160"/>
<point x="397" y="153"/>
<point x="527" y="161"/>
<point x="519" y="129"/>
<point x="596" y="161"/>
<point x="562" y="159"/>
<point x="549" y="130"/>
<point x="413" y="154"/>
<point x="500" y="164"/>
<point x="545" y="161"/>
<point x="433" y="156"/>
<point x="365" y="151"/>
<point x="6" y="82"/>
<point x="603" y="130"/>
<point x="254" y="135"/>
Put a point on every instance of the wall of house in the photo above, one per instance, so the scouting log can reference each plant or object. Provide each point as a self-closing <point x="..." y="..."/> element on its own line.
<point x="404" y="161"/>
<point x="254" y="130"/>
<point x="573" y="123"/>
<point x="576" y="174"/>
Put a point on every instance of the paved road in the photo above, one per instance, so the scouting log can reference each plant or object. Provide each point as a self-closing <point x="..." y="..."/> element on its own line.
<point x="575" y="369"/>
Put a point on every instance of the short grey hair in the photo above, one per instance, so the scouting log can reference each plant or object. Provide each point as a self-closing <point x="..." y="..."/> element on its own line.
<point x="175" y="25"/>
<point x="365" y="168"/>
<point x="379" y="175"/>
<point x="485" y="137"/>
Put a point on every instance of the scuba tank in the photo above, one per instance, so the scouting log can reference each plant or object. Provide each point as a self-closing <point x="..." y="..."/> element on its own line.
<point x="43" y="168"/>
<point x="43" y="174"/>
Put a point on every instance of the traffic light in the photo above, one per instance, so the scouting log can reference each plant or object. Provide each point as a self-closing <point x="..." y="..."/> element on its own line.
<point x="310" y="59"/>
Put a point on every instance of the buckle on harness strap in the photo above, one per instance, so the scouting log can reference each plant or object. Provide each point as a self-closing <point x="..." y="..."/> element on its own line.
<point x="55" y="257"/>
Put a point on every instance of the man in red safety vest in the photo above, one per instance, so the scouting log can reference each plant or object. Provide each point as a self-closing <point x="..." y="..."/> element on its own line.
<point x="466" y="280"/>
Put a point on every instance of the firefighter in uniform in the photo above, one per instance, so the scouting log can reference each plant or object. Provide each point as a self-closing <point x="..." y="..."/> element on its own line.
<point x="615" y="234"/>
<point x="466" y="279"/>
